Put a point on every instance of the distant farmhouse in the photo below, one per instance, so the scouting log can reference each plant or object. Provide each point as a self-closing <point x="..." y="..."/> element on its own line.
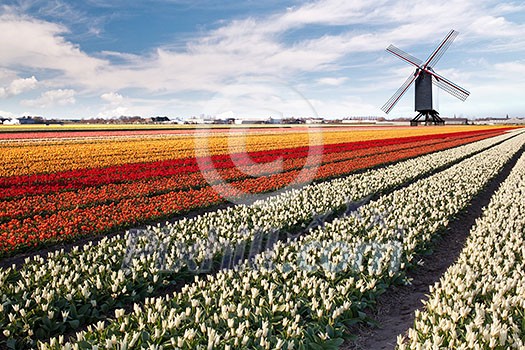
<point x="362" y="120"/>
<point x="455" y="121"/>
<point x="499" y="121"/>
<point x="314" y="121"/>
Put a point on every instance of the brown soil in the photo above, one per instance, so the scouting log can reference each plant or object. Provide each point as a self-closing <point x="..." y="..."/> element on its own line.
<point x="395" y="308"/>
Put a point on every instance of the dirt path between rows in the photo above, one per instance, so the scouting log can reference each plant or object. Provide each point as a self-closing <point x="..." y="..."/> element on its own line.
<point x="395" y="309"/>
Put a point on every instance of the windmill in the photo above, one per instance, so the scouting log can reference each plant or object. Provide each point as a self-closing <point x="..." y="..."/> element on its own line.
<point x="424" y="77"/>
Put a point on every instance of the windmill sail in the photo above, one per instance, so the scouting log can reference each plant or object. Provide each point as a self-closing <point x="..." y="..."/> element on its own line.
<point x="453" y="89"/>
<point x="440" y="50"/>
<point x="404" y="56"/>
<point x="387" y="107"/>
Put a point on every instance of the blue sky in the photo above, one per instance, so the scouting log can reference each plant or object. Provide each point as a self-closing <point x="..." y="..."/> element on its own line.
<point x="81" y="59"/>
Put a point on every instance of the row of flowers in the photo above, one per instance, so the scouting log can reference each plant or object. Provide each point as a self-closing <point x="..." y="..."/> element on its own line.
<point x="64" y="290"/>
<point x="72" y="180"/>
<point x="107" y="214"/>
<point x="34" y="157"/>
<point x="306" y="291"/>
<point x="479" y="302"/>
<point x="16" y="134"/>
<point x="172" y="178"/>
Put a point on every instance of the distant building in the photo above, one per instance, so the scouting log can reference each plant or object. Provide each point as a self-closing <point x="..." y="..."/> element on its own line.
<point x="362" y="119"/>
<point x="455" y="121"/>
<point x="274" y="121"/>
<point x="254" y="121"/>
<point x="27" y="120"/>
<point x="194" y="120"/>
<point x="293" y="121"/>
<point x="500" y="121"/>
<point x="350" y="121"/>
<point x="220" y="121"/>
<point x="177" y="121"/>
<point x="314" y="121"/>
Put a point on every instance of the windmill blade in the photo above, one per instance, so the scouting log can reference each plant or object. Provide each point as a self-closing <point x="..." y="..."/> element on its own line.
<point x="387" y="107"/>
<point x="404" y="56"/>
<point x="453" y="89"/>
<point x="440" y="50"/>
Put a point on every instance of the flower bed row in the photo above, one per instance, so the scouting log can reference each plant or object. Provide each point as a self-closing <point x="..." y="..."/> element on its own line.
<point x="69" y="224"/>
<point x="14" y="134"/>
<point x="89" y="281"/>
<point x="174" y="178"/>
<point x="36" y="183"/>
<point x="32" y="157"/>
<point x="304" y="292"/>
<point x="479" y="303"/>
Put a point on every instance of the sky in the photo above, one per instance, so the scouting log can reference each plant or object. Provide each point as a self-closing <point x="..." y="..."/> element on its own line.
<point x="326" y="58"/>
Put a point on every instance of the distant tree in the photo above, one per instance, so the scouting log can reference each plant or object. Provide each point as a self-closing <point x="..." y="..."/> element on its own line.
<point x="160" y="119"/>
<point x="38" y="120"/>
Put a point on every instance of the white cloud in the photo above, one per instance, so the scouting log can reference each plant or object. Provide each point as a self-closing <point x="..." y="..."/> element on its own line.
<point x="37" y="44"/>
<point x="52" y="98"/>
<point x="114" y="105"/>
<point x="513" y="69"/>
<point x="112" y="97"/>
<point x="496" y="27"/>
<point x="114" y="112"/>
<point x="18" y="86"/>
<point x="332" y="81"/>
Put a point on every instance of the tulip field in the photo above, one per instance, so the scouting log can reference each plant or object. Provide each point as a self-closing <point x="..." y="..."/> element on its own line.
<point x="56" y="189"/>
<point x="294" y="269"/>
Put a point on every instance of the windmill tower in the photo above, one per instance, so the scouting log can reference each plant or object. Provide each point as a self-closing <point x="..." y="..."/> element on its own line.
<point x="424" y="77"/>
